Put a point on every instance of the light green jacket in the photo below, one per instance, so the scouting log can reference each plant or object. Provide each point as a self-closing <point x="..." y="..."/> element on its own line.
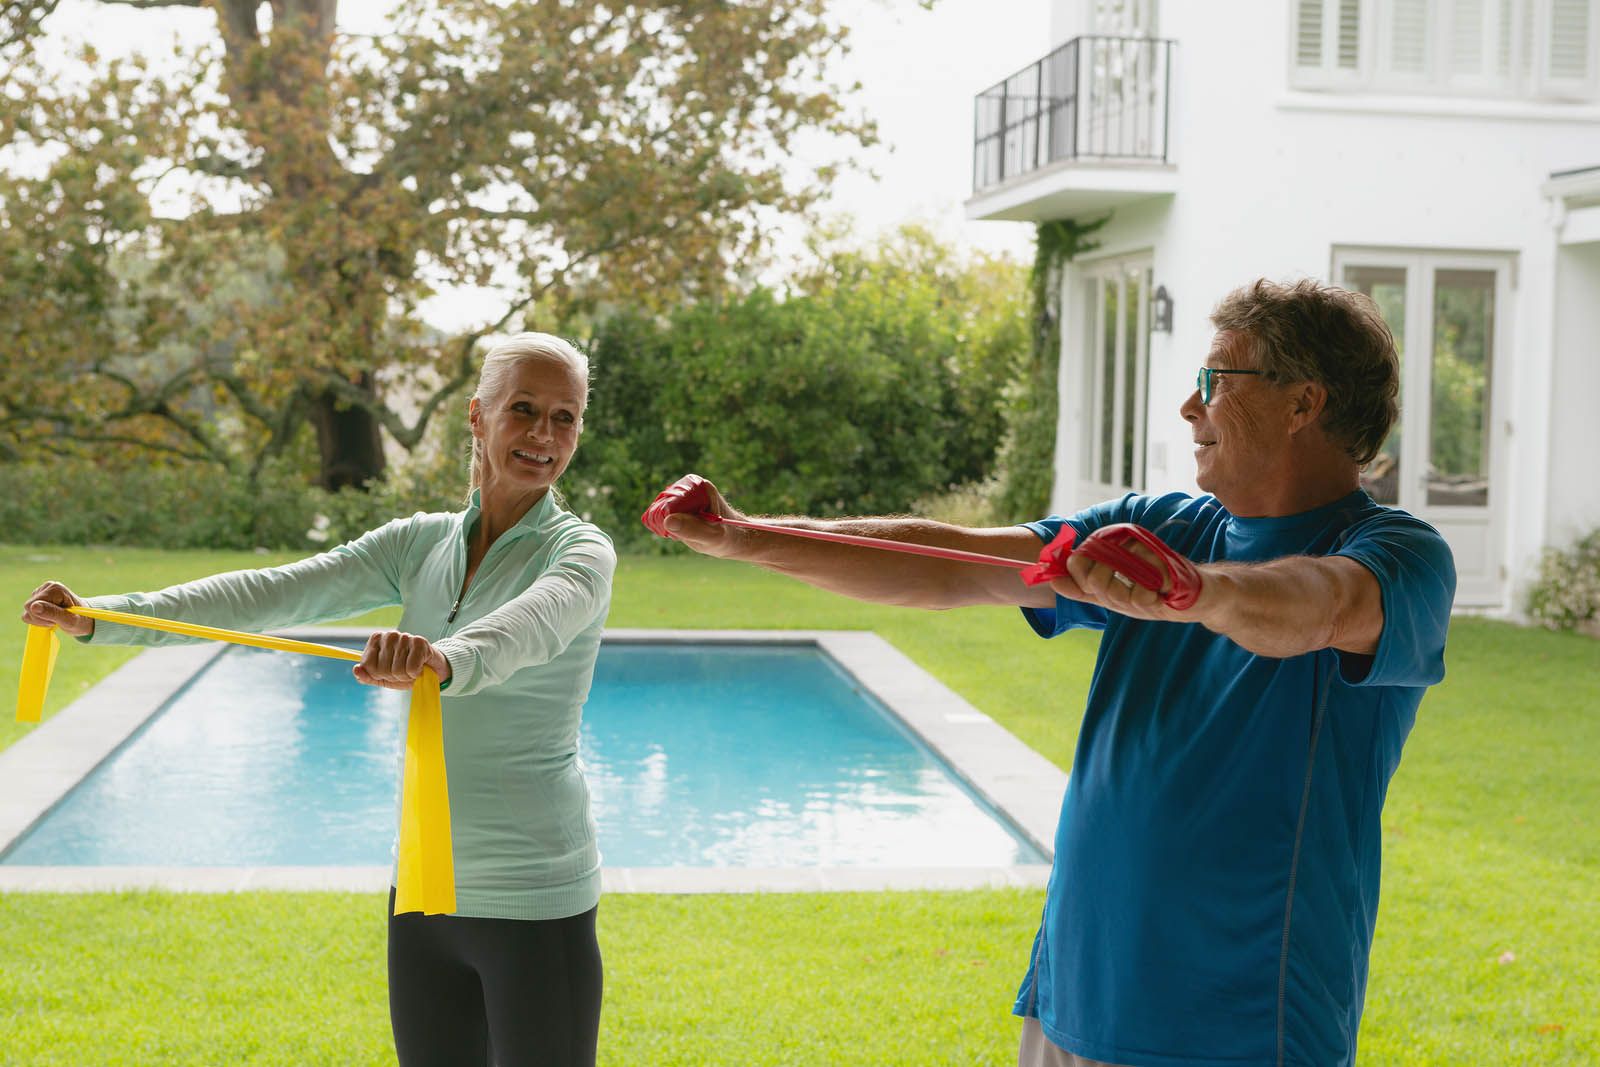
<point x="521" y="648"/>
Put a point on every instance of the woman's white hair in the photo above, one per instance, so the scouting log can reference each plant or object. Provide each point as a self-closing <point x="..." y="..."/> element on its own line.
<point x="505" y="357"/>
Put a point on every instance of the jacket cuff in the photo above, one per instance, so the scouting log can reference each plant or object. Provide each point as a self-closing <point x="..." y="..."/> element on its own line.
<point x="463" y="662"/>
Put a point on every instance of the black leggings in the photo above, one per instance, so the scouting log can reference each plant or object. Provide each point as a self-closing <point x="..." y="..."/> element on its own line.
<point x="506" y="992"/>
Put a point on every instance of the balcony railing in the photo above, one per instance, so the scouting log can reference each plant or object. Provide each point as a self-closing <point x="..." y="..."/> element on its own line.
<point x="1101" y="98"/>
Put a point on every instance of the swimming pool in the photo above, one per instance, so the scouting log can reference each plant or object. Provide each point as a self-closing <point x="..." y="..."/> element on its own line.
<point x="732" y="755"/>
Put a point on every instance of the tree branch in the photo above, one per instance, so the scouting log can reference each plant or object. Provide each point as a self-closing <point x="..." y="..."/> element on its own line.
<point x="281" y="432"/>
<point x="115" y="439"/>
<point x="341" y="387"/>
<point x="22" y="20"/>
<point x="69" y="425"/>
<point x="246" y="399"/>
<point x="466" y="368"/>
<point x="155" y="402"/>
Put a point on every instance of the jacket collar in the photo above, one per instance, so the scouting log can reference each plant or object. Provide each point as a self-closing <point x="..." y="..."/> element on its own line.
<point x="535" y="519"/>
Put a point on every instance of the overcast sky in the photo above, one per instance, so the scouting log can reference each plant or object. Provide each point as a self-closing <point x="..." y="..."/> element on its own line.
<point x="919" y="71"/>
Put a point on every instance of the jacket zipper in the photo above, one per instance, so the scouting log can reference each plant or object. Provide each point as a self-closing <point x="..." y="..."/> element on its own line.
<point x="466" y="586"/>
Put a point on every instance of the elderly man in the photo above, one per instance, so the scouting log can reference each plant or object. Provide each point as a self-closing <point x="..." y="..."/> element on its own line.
<point x="1215" y="885"/>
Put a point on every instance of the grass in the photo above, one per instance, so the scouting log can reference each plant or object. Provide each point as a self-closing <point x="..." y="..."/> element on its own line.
<point x="1483" y="953"/>
<point x="298" y="979"/>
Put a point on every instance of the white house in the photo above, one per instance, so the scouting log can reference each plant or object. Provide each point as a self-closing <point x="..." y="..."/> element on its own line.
<point x="1440" y="155"/>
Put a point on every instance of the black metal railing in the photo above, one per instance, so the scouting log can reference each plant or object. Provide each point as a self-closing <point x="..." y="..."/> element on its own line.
<point x="1095" y="97"/>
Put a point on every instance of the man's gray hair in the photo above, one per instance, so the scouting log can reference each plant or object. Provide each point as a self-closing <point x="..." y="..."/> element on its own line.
<point x="1309" y="331"/>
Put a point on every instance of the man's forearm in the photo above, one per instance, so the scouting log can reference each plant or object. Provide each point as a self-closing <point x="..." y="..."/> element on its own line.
<point x="887" y="577"/>
<point x="1293" y="606"/>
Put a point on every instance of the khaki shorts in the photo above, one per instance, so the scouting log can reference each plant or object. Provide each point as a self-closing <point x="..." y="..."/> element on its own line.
<point x="1037" y="1051"/>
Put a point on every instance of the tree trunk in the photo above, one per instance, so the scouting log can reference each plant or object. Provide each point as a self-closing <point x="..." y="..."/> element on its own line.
<point x="348" y="441"/>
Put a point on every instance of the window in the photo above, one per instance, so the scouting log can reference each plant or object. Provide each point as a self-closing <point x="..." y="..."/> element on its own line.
<point x="1444" y="312"/>
<point x="1528" y="49"/>
<point x="1123" y="18"/>
<point x="1445" y="460"/>
<point x="1115" y="367"/>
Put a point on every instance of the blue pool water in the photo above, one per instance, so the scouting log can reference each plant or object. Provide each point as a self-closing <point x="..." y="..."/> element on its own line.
<point x="698" y="756"/>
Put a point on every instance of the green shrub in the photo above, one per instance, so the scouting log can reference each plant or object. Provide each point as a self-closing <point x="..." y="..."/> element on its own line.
<point x="878" y="380"/>
<point x="1566" y="594"/>
<point x="839" y="403"/>
<point x="75" y="502"/>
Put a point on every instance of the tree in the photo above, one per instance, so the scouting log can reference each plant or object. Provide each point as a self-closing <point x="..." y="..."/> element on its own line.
<point x="201" y="258"/>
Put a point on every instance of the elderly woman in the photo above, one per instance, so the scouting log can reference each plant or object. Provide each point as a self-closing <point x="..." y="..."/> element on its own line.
<point x="505" y="601"/>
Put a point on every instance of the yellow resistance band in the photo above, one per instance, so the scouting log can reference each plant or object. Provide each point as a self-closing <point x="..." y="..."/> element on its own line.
<point x="427" y="881"/>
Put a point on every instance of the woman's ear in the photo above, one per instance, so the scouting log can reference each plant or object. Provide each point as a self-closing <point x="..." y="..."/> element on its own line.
<point x="475" y="417"/>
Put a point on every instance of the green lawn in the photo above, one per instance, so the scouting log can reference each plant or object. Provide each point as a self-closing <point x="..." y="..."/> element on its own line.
<point x="1484" y="954"/>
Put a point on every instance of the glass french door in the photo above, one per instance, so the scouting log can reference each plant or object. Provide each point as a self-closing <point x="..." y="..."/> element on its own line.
<point x="1443" y="460"/>
<point x="1115" y="372"/>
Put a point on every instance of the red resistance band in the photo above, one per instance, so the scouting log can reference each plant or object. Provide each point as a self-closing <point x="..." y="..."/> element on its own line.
<point x="690" y="495"/>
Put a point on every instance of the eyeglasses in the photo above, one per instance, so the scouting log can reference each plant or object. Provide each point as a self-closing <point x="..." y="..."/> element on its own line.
<point x="1205" y="380"/>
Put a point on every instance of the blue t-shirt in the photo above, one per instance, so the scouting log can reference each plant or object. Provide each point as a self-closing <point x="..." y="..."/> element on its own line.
<point x="1215" y="883"/>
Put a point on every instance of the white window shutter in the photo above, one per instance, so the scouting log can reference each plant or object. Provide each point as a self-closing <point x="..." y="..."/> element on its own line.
<point x="1408" y="37"/>
<point x="1349" y="36"/>
<point x="1479" y="45"/>
<point x="1566" y="53"/>
<point x="1502" y="41"/>
<point x="1467" y="38"/>
<point x="1308" y="34"/>
<point x="1571" y="30"/>
<point x="1525" y="39"/>
<point x="1326" y="43"/>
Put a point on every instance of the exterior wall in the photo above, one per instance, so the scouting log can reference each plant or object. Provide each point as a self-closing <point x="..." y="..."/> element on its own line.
<point x="1272" y="181"/>
<point x="1068" y="19"/>
<point x="1573" y="508"/>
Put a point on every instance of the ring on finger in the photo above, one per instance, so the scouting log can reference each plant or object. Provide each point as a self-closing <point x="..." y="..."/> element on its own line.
<point x="1122" y="579"/>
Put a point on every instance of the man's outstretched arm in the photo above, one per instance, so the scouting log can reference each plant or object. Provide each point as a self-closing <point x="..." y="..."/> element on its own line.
<point x="1283" y="608"/>
<point x="1295" y="605"/>
<point x="876" y="575"/>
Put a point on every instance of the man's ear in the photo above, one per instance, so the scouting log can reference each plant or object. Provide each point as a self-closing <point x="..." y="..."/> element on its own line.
<point x="1308" y="399"/>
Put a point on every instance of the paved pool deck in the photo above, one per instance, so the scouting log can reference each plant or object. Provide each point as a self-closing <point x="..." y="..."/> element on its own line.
<point x="1026" y="789"/>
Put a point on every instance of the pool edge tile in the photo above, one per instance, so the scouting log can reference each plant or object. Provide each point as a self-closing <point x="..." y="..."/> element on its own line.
<point x="1023" y="786"/>
<point x="683" y="881"/>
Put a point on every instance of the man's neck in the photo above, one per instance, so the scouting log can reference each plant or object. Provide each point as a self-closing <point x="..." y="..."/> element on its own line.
<point x="1303" y="486"/>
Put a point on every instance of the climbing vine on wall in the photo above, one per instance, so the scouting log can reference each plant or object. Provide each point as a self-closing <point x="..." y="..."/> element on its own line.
<point x="1028" y="455"/>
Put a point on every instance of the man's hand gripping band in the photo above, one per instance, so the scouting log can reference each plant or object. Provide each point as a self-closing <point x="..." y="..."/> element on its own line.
<point x="1109" y="546"/>
<point x="690" y="495"/>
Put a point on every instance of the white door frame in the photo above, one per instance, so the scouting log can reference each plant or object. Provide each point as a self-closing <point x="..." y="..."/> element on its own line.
<point x="1476" y="534"/>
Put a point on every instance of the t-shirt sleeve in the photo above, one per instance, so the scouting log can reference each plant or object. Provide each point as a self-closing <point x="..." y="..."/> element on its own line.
<point x="1156" y="513"/>
<point x="1068" y="614"/>
<point x="1417" y="579"/>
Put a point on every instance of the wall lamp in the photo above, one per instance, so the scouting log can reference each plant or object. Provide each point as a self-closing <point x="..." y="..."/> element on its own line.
<point x="1160" y="311"/>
